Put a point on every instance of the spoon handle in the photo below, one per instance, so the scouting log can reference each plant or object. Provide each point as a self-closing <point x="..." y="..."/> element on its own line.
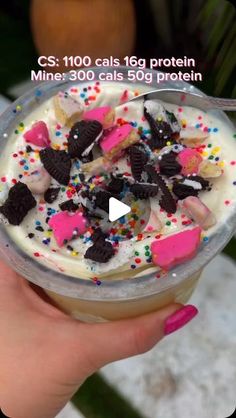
<point x="187" y="98"/>
<point x="223" y="104"/>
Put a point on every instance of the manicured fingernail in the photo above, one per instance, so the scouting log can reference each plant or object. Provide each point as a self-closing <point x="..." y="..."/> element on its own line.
<point x="180" y="318"/>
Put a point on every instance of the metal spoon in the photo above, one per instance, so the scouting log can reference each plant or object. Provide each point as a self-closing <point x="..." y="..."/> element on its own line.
<point x="184" y="98"/>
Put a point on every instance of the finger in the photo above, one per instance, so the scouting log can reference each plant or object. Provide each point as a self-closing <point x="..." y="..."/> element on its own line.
<point x="108" y="342"/>
<point x="8" y="277"/>
<point x="18" y="293"/>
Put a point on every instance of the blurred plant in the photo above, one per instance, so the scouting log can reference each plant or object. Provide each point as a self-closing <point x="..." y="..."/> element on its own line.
<point x="219" y="18"/>
<point x="206" y="29"/>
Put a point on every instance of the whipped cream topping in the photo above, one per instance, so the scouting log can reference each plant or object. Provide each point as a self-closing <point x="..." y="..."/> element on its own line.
<point x="132" y="256"/>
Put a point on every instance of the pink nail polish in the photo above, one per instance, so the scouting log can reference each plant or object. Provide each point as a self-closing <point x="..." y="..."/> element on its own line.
<point x="180" y="318"/>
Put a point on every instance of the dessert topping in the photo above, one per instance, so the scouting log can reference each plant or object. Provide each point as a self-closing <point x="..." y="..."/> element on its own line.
<point x="102" y="199"/>
<point x="183" y="190"/>
<point x="66" y="226"/>
<point x="167" y="201"/>
<point x="38" y="135"/>
<point x="51" y="194"/>
<point x="101" y="251"/>
<point x="116" y="185"/>
<point x="164" y="126"/>
<point x="144" y="190"/>
<point x="57" y="164"/>
<point x="176" y="249"/>
<point x="97" y="166"/>
<point x="118" y="139"/>
<point x="192" y="137"/>
<point x="19" y="202"/>
<point x="83" y="136"/>
<point x="169" y="165"/>
<point x="67" y="110"/>
<point x="138" y="159"/>
<point x="98" y="234"/>
<point x="199" y="212"/>
<point x="190" y="161"/>
<point x="105" y="115"/>
<point x="69" y="205"/>
<point x="209" y="170"/>
<point x="189" y="186"/>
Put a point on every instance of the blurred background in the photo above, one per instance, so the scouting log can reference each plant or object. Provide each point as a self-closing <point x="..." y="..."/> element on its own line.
<point x="194" y="373"/>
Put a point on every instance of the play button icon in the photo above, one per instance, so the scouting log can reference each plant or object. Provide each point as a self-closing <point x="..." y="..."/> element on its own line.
<point x="117" y="209"/>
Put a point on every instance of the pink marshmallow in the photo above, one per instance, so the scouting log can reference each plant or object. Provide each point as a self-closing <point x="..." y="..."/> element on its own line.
<point x="115" y="137"/>
<point x="190" y="160"/>
<point x="38" y="135"/>
<point x="199" y="212"/>
<point x="105" y="115"/>
<point x="176" y="249"/>
<point x="66" y="226"/>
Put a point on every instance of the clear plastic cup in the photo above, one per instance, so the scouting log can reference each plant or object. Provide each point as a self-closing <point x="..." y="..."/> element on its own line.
<point x="113" y="299"/>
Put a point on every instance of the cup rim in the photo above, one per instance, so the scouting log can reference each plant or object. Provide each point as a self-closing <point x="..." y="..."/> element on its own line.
<point x="110" y="290"/>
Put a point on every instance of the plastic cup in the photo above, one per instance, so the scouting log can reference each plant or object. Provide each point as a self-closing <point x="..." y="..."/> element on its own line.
<point x="113" y="299"/>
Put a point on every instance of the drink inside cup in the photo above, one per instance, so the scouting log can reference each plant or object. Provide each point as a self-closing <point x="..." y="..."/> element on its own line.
<point x="174" y="167"/>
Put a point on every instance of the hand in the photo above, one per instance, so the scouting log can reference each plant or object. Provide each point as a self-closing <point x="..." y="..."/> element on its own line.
<point x="46" y="355"/>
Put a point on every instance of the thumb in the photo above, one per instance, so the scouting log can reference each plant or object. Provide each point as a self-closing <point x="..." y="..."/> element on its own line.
<point x="117" y="340"/>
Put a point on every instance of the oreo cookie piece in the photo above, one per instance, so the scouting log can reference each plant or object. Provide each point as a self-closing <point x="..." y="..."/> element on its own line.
<point x="101" y="251"/>
<point x="144" y="191"/>
<point x="98" y="235"/>
<point x="69" y="205"/>
<point x="116" y="185"/>
<point x="51" y="194"/>
<point x="82" y="137"/>
<point x="138" y="159"/>
<point x="88" y="201"/>
<point x="151" y="174"/>
<point x="57" y="164"/>
<point x="102" y="199"/>
<point x="167" y="201"/>
<point x="182" y="190"/>
<point x="169" y="165"/>
<point x="204" y="183"/>
<point x="19" y="202"/>
<point x="160" y="130"/>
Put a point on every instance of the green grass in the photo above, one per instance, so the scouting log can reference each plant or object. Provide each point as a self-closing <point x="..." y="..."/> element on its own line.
<point x="97" y="399"/>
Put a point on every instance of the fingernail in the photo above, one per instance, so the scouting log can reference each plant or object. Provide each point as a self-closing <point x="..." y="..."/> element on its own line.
<point x="179" y="319"/>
